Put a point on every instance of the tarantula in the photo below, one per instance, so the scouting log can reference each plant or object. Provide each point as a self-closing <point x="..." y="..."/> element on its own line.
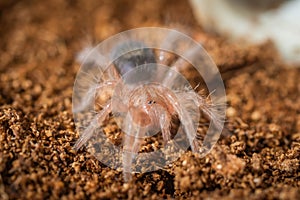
<point x="150" y="93"/>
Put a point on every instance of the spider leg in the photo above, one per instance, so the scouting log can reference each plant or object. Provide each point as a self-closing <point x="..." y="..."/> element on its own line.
<point x="95" y="82"/>
<point x="212" y="111"/>
<point x="164" y="122"/>
<point x="166" y="57"/>
<point x="93" y="57"/>
<point x="131" y="144"/>
<point x="179" y="65"/>
<point x="188" y="127"/>
<point x="184" y="117"/>
<point x="96" y="123"/>
<point x="86" y="100"/>
<point x="165" y="129"/>
<point x="90" y="95"/>
<point x="192" y="57"/>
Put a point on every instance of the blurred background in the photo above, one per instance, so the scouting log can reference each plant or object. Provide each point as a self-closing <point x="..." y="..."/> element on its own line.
<point x="254" y="22"/>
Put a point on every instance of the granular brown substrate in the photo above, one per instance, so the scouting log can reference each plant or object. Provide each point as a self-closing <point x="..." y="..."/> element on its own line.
<point x="258" y="158"/>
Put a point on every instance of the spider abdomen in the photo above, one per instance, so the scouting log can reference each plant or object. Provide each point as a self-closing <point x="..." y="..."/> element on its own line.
<point x="133" y="54"/>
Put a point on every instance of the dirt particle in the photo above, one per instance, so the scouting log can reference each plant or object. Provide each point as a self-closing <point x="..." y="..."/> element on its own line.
<point x="255" y="116"/>
<point x="231" y="112"/>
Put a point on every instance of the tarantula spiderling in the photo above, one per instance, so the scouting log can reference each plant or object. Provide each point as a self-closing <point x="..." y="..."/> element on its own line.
<point x="130" y="77"/>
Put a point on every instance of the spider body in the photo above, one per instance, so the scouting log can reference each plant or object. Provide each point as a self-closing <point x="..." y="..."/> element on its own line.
<point x="148" y="94"/>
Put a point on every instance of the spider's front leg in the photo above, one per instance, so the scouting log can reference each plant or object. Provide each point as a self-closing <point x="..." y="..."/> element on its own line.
<point x="165" y="122"/>
<point x="91" y="95"/>
<point x="101" y="115"/>
<point x="96" y="123"/>
<point x="162" y="117"/>
<point x="165" y="57"/>
<point x="133" y="138"/>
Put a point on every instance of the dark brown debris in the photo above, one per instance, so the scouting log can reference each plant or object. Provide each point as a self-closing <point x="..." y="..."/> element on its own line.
<point x="259" y="159"/>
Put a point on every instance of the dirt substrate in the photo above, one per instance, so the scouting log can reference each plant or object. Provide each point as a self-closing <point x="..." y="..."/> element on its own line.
<point x="259" y="159"/>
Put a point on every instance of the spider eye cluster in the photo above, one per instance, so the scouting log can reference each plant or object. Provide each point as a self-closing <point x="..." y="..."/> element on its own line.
<point x="151" y="102"/>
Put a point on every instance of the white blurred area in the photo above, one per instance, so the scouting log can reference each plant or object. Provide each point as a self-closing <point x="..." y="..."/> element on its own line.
<point x="254" y="21"/>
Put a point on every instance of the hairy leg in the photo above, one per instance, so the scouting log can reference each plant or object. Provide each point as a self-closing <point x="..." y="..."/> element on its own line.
<point x="165" y="57"/>
<point x="131" y="143"/>
<point x="164" y="122"/>
<point x="90" y="95"/>
<point x="212" y="111"/>
<point x="96" y="123"/>
<point x="184" y="117"/>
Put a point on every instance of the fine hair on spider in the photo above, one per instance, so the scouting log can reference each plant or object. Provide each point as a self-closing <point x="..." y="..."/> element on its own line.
<point x="139" y="78"/>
